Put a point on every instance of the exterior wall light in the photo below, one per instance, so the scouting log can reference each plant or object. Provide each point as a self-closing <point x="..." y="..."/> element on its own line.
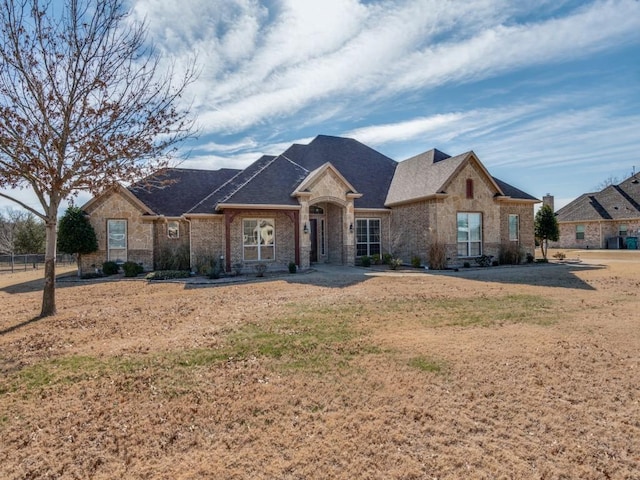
<point x="305" y="229"/>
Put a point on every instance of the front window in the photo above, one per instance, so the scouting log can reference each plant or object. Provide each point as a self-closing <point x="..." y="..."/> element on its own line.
<point x="469" y="234"/>
<point x="514" y="228"/>
<point x="622" y="230"/>
<point x="258" y="239"/>
<point x="367" y="237"/>
<point x="579" y="232"/>
<point x="117" y="240"/>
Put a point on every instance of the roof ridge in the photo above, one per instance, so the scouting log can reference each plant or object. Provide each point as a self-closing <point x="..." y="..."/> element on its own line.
<point x="213" y="192"/>
<point x="257" y="172"/>
<point x="294" y="163"/>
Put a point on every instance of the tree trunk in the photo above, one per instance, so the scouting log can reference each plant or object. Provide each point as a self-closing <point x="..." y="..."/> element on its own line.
<point x="49" y="292"/>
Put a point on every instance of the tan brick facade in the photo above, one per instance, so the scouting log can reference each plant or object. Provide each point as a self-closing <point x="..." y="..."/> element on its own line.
<point x="140" y="232"/>
<point x="596" y="234"/>
<point x="407" y="229"/>
<point x="415" y="226"/>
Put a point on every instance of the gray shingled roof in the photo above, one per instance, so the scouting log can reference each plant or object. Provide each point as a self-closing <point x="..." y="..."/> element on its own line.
<point x="614" y="202"/>
<point x="513" y="192"/>
<point x="183" y="189"/>
<point x="422" y="175"/>
<point x="370" y="172"/>
<point x="271" y="180"/>
<point x="273" y="186"/>
<point x="208" y="203"/>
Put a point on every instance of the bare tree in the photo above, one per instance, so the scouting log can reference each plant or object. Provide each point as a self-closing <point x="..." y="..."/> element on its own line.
<point x="10" y="221"/>
<point x="610" y="180"/>
<point x="84" y="104"/>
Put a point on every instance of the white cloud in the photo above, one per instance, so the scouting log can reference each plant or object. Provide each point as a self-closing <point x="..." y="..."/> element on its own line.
<point x="265" y="62"/>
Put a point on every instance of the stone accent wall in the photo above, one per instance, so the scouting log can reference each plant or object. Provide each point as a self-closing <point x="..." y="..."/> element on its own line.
<point x="335" y="237"/>
<point x="140" y="232"/>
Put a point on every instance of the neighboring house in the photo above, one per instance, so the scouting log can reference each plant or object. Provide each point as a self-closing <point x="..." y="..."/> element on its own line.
<point x="609" y="218"/>
<point x="333" y="200"/>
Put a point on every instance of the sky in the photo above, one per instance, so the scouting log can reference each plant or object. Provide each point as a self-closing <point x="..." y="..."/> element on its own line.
<point x="546" y="93"/>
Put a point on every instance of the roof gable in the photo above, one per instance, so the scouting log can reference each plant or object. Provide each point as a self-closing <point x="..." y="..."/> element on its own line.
<point x="318" y="174"/>
<point x="367" y="170"/>
<point x="613" y="202"/>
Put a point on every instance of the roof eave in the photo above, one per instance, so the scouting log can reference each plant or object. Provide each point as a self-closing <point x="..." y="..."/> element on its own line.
<point x="417" y="199"/>
<point x="256" y="206"/>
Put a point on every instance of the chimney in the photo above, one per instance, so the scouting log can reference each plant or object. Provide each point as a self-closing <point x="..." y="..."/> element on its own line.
<point x="548" y="200"/>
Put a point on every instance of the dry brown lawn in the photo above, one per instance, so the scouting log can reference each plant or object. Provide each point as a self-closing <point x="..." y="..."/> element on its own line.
<point x="505" y="372"/>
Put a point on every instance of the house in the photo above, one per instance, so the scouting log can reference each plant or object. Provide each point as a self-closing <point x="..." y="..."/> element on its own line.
<point x="334" y="200"/>
<point x="609" y="218"/>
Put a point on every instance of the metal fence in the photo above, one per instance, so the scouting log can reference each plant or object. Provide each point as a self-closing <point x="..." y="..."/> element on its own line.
<point x="22" y="263"/>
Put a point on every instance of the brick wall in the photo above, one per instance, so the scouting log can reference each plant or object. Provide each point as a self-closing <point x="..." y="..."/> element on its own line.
<point x="596" y="234"/>
<point x="140" y="233"/>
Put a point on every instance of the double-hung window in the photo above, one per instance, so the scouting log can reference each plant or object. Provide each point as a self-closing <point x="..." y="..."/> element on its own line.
<point x="622" y="230"/>
<point x="514" y="228"/>
<point x="469" y="234"/>
<point x="117" y="240"/>
<point x="367" y="237"/>
<point x="259" y="240"/>
<point x="579" y="232"/>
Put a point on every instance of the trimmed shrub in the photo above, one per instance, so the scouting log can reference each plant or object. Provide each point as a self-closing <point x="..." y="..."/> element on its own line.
<point x="365" y="261"/>
<point x="484" y="260"/>
<point x="386" y="258"/>
<point x="395" y="263"/>
<point x="416" y="261"/>
<point x="110" y="268"/>
<point x="260" y="268"/>
<point x="168" y="274"/>
<point x="132" y="269"/>
<point x="293" y="268"/>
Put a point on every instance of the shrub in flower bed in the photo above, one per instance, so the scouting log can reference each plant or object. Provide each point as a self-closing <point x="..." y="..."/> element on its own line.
<point x="168" y="274"/>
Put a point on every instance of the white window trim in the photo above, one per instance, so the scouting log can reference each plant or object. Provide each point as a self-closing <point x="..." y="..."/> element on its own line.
<point x="259" y="245"/>
<point x="126" y="234"/>
<point x="469" y="242"/>
<point x="517" y="236"/>
<point x="368" y="243"/>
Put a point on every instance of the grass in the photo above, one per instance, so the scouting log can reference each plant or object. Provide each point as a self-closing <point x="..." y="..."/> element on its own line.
<point x="426" y="364"/>
<point x="309" y="339"/>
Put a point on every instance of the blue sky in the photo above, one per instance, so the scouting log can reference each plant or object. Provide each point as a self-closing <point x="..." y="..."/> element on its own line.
<point x="547" y="93"/>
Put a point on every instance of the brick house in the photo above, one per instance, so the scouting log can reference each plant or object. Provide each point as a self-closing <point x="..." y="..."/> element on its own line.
<point x="609" y="218"/>
<point x="333" y="200"/>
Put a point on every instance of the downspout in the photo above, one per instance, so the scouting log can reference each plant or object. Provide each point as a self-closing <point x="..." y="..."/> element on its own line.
<point x="190" y="245"/>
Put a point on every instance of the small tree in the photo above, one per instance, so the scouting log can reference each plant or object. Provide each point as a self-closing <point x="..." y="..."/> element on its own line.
<point x="546" y="228"/>
<point x="84" y="104"/>
<point x="76" y="234"/>
<point x="30" y="235"/>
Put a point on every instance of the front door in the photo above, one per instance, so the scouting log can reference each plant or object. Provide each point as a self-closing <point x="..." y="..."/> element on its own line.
<point x="313" y="254"/>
